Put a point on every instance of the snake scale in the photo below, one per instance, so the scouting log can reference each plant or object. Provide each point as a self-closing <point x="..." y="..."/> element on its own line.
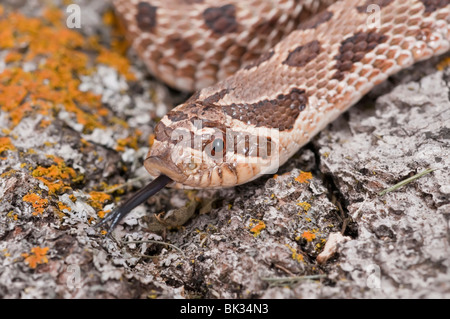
<point x="284" y="69"/>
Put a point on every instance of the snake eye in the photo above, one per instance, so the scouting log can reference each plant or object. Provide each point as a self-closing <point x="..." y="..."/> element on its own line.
<point x="192" y="166"/>
<point x="215" y="148"/>
<point x="217" y="145"/>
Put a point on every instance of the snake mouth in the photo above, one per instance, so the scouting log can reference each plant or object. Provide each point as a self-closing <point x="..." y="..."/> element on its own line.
<point x="157" y="166"/>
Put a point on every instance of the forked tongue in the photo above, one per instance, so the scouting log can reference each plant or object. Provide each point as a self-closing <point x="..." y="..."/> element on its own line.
<point x="138" y="198"/>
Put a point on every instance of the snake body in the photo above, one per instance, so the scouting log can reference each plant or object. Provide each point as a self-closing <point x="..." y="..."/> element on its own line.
<point x="233" y="131"/>
<point x="254" y="120"/>
<point x="192" y="44"/>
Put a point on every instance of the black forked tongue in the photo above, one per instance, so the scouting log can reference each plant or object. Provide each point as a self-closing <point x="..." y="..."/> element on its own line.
<point x="138" y="198"/>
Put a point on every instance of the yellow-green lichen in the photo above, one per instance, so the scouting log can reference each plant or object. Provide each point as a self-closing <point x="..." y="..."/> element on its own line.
<point x="295" y="255"/>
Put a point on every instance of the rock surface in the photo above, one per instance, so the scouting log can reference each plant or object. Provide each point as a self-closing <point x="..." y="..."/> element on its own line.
<point x="59" y="172"/>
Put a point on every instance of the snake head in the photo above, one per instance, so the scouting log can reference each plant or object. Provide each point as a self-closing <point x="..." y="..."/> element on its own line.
<point x="208" y="150"/>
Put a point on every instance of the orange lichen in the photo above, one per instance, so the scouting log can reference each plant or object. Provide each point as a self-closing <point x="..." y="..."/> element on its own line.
<point x="256" y="229"/>
<point x="7" y="37"/>
<point x="63" y="206"/>
<point x="59" y="57"/>
<point x="98" y="199"/>
<point x="121" y="122"/>
<point x="37" y="202"/>
<point x="306" y="206"/>
<point x="151" y="139"/>
<point x="37" y="256"/>
<point x="119" y="43"/>
<point x="13" y="56"/>
<point x="102" y="213"/>
<point x="117" y="61"/>
<point x="304" y="177"/>
<point x="130" y="141"/>
<point x="5" y="252"/>
<point x="44" y="123"/>
<point x="57" y="178"/>
<point x="6" y="144"/>
<point x="443" y="64"/>
<point x="8" y="173"/>
<point x="114" y="188"/>
<point x="309" y="236"/>
<point x="54" y="16"/>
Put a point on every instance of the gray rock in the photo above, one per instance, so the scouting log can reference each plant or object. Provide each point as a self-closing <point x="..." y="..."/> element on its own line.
<point x="256" y="240"/>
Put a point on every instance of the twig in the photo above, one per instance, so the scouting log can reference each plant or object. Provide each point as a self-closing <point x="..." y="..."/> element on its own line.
<point x="285" y="270"/>
<point x="406" y="181"/>
<point x="147" y="256"/>
<point x="291" y="280"/>
<point x="345" y="220"/>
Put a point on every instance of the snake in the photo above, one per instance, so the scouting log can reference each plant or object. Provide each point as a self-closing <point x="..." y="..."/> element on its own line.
<point x="268" y="74"/>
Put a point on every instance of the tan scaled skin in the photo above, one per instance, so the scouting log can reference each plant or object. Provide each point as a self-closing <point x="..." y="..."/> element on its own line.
<point x="253" y="121"/>
<point x="297" y="88"/>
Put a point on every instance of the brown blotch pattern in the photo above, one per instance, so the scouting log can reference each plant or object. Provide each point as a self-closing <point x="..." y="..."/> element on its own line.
<point x="144" y="44"/>
<point x="176" y="116"/>
<point x="215" y="97"/>
<point x="208" y="123"/>
<point x="380" y="3"/>
<point x="222" y="19"/>
<point x="193" y="1"/>
<point x="146" y="16"/>
<point x="180" y="45"/>
<point x="265" y="27"/>
<point x="194" y="97"/>
<point x="264" y="57"/>
<point x="278" y="113"/>
<point x="173" y="136"/>
<point x="163" y="133"/>
<point x="303" y="54"/>
<point x="317" y="20"/>
<point x="433" y="5"/>
<point x="353" y="49"/>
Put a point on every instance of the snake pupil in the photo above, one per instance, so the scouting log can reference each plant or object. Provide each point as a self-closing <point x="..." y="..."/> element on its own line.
<point x="216" y="146"/>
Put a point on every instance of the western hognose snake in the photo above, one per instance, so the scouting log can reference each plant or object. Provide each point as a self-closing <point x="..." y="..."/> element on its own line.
<point x="271" y="98"/>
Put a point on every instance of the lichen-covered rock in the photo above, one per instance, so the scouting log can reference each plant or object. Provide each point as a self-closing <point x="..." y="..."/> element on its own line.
<point x="402" y="244"/>
<point x="76" y="120"/>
